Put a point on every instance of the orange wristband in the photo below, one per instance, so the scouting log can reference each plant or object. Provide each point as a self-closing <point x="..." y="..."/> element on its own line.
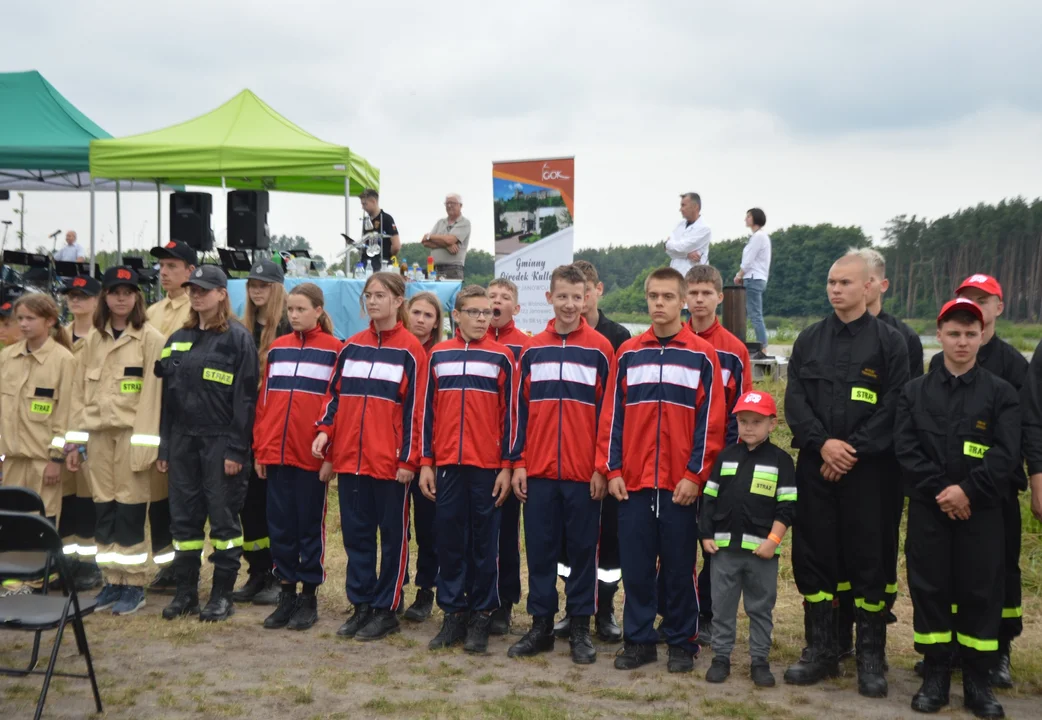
<point x="775" y="538"/>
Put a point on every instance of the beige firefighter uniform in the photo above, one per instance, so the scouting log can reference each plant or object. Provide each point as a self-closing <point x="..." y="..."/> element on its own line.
<point x="35" y="399"/>
<point x="76" y="525"/>
<point x="116" y="414"/>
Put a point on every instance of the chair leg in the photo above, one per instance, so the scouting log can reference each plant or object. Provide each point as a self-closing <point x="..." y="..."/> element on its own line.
<point x="77" y="626"/>
<point x="50" y="666"/>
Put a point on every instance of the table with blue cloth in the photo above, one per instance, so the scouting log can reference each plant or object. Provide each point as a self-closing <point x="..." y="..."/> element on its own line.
<point x="344" y="299"/>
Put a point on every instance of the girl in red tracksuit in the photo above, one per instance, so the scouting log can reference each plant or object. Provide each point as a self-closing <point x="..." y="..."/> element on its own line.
<point x="371" y="422"/>
<point x="298" y="368"/>
<point x="466" y="435"/>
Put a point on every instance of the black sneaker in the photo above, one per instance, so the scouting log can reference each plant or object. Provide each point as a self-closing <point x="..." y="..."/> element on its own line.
<point x="500" y="624"/>
<point x="306" y="613"/>
<point x="165" y="581"/>
<point x="760" y="672"/>
<point x="681" y="660"/>
<point x="453" y="631"/>
<point x="719" y="670"/>
<point x="88" y="576"/>
<point x="634" y="655"/>
<point x="283" y="612"/>
<point x="357" y="621"/>
<point x="478" y="630"/>
<point x="384" y="622"/>
<point x="580" y="643"/>
<point x="539" y="639"/>
<point x="421" y="607"/>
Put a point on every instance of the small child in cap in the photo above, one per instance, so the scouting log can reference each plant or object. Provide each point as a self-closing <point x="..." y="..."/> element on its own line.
<point x="748" y="505"/>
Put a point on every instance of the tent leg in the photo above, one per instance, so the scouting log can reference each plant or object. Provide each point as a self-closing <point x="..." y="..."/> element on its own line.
<point x="347" y="208"/>
<point x="119" y="233"/>
<point x="159" y="215"/>
<point x="92" y="227"/>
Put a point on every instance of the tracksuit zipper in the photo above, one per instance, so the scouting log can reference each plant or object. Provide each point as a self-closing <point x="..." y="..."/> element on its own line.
<point x="560" y="407"/>
<point x="463" y="401"/>
<point x="658" y="429"/>
<point x="365" y="401"/>
<point x="285" y="424"/>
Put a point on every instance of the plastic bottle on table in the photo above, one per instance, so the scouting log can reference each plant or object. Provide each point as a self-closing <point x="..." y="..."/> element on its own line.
<point x="368" y="269"/>
<point x="359" y="271"/>
<point x="430" y="266"/>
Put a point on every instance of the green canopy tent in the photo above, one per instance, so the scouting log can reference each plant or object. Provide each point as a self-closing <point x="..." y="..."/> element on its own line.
<point x="243" y="144"/>
<point x="45" y="141"/>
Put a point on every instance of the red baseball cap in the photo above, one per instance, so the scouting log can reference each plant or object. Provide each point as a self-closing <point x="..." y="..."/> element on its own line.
<point x="757" y="402"/>
<point x="961" y="304"/>
<point x="984" y="283"/>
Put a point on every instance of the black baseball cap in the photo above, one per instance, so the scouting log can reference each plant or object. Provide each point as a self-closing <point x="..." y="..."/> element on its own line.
<point x="207" y="277"/>
<point x="175" y="250"/>
<point x="82" y="283"/>
<point x="119" y="275"/>
<point x="7" y="299"/>
<point x="267" y="271"/>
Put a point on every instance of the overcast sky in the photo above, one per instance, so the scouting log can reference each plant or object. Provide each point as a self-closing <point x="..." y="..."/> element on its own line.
<point x="848" y="113"/>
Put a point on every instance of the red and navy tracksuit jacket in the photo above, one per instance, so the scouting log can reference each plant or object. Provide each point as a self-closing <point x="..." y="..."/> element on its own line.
<point x="292" y="394"/>
<point x="468" y="404"/>
<point x="734" y="371"/>
<point x="375" y="403"/>
<point x="561" y="385"/>
<point x="666" y="418"/>
<point x="515" y="339"/>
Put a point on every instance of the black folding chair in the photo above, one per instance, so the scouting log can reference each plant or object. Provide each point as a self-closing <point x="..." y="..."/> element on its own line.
<point x="22" y="565"/>
<point x="26" y="533"/>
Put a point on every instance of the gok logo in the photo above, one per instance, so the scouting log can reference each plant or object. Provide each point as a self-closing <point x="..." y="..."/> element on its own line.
<point x="978" y="279"/>
<point x="171" y="245"/>
<point x="549" y="174"/>
<point x="123" y="274"/>
<point x="79" y="282"/>
<point x="753" y="397"/>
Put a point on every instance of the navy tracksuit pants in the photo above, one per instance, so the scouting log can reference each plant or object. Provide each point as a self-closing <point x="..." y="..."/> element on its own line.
<point x="296" y="511"/>
<point x="467" y="526"/>
<point x="368" y="504"/>
<point x="658" y="532"/>
<point x="510" y="551"/>
<point x="552" y="506"/>
<point x="423" y="527"/>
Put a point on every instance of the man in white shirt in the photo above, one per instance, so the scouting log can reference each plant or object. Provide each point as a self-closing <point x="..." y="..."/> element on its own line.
<point x="72" y="252"/>
<point x="449" y="239"/>
<point x="688" y="244"/>
<point x="756" y="265"/>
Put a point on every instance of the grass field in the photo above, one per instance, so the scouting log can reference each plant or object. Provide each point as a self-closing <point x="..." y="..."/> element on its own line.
<point x="150" y="668"/>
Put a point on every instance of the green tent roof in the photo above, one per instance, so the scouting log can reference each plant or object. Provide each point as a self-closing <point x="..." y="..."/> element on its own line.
<point x="244" y="141"/>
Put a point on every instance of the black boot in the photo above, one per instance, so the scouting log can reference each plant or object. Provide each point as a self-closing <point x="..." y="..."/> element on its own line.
<point x="845" y="627"/>
<point x="871" y="650"/>
<point x="634" y="655"/>
<point x="453" y="631"/>
<point x="220" y="606"/>
<point x="269" y="594"/>
<point x="165" y="581"/>
<point x="580" y="642"/>
<point x="977" y="695"/>
<point x="88" y="576"/>
<point x="421" y="607"/>
<point x="608" y="629"/>
<point x="539" y="639"/>
<point x="383" y="623"/>
<point x="500" y="623"/>
<point x="186" y="598"/>
<point x="260" y="588"/>
<point x="681" y="660"/>
<point x="563" y="629"/>
<point x="937" y="680"/>
<point x="478" y="630"/>
<point x="284" y="612"/>
<point x="1001" y="676"/>
<point x="818" y="660"/>
<point x="362" y="614"/>
<point x="306" y="613"/>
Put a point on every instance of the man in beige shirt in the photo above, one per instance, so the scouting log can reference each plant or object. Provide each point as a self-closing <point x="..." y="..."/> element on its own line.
<point x="176" y="262"/>
<point x="449" y="239"/>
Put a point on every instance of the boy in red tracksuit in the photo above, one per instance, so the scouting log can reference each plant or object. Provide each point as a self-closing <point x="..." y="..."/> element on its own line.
<point x="502" y="297"/>
<point x="561" y="379"/>
<point x="658" y="440"/>
<point x="705" y="291"/>
<point x="372" y="423"/>
<point x="293" y="392"/>
<point x="466" y="435"/>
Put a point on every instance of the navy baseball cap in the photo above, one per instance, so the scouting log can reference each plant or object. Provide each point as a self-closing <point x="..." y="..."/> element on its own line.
<point x="175" y="250"/>
<point x="207" y="277"/>
<point x="120" y="275"/>
<point x="82" y="283"/>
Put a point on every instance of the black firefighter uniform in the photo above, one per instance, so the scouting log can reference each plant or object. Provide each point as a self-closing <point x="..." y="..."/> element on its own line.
<point x="35" y="398"/>
<point x="117" y="416"/>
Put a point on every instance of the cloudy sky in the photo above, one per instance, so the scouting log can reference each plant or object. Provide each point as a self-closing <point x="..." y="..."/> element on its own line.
<point x="850" y="115"/>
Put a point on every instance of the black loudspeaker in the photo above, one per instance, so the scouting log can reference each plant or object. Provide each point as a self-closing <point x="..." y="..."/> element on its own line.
<point x="190" y="219"/>
<point x="248" y="219"/>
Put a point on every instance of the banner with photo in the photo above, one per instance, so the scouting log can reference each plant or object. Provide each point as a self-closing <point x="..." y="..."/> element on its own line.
<point x="533" y="208"/>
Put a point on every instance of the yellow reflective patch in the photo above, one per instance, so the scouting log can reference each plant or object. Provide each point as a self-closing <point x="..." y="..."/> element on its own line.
<point x="763" y="486"/>
<point x="41" y="407"/>
<point x="864" y="395"/>
<point x="218" y="376"/>
<point x="973" y="449"/>
<point x="130" y="386"/>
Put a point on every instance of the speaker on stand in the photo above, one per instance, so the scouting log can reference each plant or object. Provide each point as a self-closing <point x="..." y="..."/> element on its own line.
<point x="190" y="219"/>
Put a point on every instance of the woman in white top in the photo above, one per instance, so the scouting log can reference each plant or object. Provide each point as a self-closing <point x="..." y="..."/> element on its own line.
<point x="756" y="264"/>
